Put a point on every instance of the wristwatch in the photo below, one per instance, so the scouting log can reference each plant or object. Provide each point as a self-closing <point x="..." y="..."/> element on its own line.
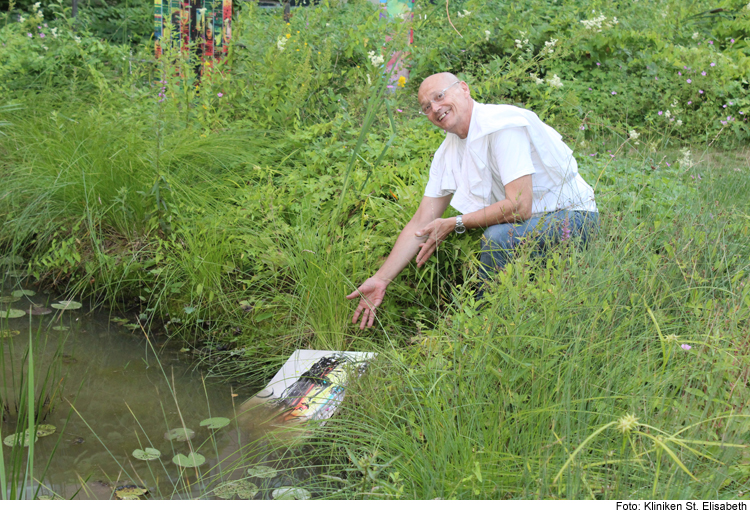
<point x="460" y="228"/>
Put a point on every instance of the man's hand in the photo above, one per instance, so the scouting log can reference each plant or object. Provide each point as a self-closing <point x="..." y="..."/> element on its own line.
<point x="434" y="232"/>
<point x="371" y="295"/>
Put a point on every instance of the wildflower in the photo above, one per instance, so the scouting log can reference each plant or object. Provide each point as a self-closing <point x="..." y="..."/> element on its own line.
<point x="742" y="113"/>
<point x="598" y="64"/>
<point x="724" y="106"/>
<point x="36" y="5"/>
<point x="667" y="114"/>
<point x="700" y="91"/>
<point x="41" y="35"/>
<point x="679" y="122"/>
<point x="281" y="43"/>
<point x="633" y="134"/>
<point x="685" y="163"/>
<point x="401" y="81"/>
<point x="690" y="102"/>
<point x="590" y="89"/>
<point x="29" y="35"/>
<point x="723" y="122"/>
<point x="731" y="41"/>
<point x="674" y="103"/>
<point x="288" y="35"/>
<point x="566" y="229"/>
<point x="220" y="94"/>
<point x="696" y="36"/>
<point x="627" y="423"/>
<point x="54" y="32"/>
<point x="549" y="47"/>
<point x="487" y="34"/>
<point x="713" y="64"/>
<point x="465" y="13"/>
<point x="536" y="79"/>
<point x="45" y="48"/>
<point x="21" y="19"/>
<point x="711" y="42"/>
<point x="555" y="81"/>
<point x="614" y="93"/>
<point x="376" y="60"/>
<point x="689" y="81"/>
<point x="685" y="347"/>
<point x="368" y="79"/>
<point x="679" y="73"/>
<point x="731" y="103"/>
<point x="660" y="112"/>
<point x="671" y="338"/>
<point x="399" y="110"/>
<point x="668" y="165"/>
<point x="77" y="38"/>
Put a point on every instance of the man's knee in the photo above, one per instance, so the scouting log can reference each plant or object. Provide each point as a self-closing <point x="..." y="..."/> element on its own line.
<point x="498" y="236"/>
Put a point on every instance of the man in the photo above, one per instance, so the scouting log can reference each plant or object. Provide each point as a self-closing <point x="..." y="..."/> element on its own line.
<point x="504" y="170"/>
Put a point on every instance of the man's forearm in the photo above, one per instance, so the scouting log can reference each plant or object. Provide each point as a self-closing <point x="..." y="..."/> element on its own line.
<point x="405" y="249"/>
<point x="502" y="212"/>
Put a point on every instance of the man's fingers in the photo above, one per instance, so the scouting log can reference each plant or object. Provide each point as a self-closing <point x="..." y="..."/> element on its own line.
<point x="356" y="314"/>
<point x="352" y="295"/>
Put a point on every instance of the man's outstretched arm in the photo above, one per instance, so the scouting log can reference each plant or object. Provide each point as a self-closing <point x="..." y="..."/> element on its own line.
<point x="407" y="245"/>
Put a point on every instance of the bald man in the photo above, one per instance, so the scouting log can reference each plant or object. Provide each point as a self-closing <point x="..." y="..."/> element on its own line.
<point x="506" y="172"/>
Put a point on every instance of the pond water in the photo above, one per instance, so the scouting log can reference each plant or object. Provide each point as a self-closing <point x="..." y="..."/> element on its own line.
<point x="116" y="395"/>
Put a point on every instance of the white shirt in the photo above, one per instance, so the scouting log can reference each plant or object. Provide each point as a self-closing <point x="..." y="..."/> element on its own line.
<point x="504" y="143"/>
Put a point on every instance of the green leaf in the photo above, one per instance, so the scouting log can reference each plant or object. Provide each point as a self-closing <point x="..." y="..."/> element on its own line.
<point x="130" y="492"/>
<point x="244" y="489"/>
<point x="45" y="430"/>
<point x="61" y="328"/>
<point x="67" y="305"/>
<point x="290" y="494"/>
<point x="179" y="434"/>
<point x="11" y="440"/>
<point x="262" y="472"/>
<point x="22" y="293"/>
<point x="11" y="314"/>
<point x="215" y="423"/>
<point x="147" y="454"/>
<point x="189" y="461"/>
<point x="9" y="299"/>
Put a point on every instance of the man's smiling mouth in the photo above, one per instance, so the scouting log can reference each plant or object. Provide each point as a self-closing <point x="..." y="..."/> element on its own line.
<point x="444" y="114"/>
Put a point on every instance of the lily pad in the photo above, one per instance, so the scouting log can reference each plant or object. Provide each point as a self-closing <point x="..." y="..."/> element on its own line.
<point x="11" y="313"/>
<point x="67" y="305"/>
<point x="244" y="489"/>
<point x="147" y="454"/>
<point x="11" y="440"/>
<point x="8" y="333"/>
<point x="130" y="492"/>
<point x="22" y="293"/>
<point x="45" y="430"/>
<point x="180" y="434"/>
<point x="215" y="423"/>
<point x="9" y="299"/>
<point x="262" y="472"/>
<point x="38" y="310"/>
<point x="189" y="461"/>
<point x="61" y="328"/>
<point x="290" y="494"/>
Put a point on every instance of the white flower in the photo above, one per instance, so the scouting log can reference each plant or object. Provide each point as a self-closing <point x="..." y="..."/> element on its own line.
<point x="696" y="35"/>
<point x="536" y="79"/>
<point x="487" y="34"/>
<point x="687" y="161"/>
<point x="376" y="60"/>
<point x="549" y="47"/>
<point x="368" y="79"/>
<point x="21" y="19"/>
<point x="664" y="14"/>
<point x="45" y="48"/>
<point x="77" y="38"/>
<point x="54" y="32"/>
<point x="466" y="13"/>
<point x="37" y="5"/>
<point x="679" y="122"/>
<point x="40" y="14"/>
<point x="555" y="81"/>
<point x="281" y="43"/>
<point x="519" y="44"/>
<point x="674" y="104"/>
<point x="633" y="134"/>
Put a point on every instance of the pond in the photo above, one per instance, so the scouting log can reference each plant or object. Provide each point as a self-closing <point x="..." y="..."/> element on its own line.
<point x="114" y="395"/>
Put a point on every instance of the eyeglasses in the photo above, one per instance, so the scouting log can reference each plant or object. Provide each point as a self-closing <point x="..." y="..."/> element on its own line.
<point x="437" y="98"/>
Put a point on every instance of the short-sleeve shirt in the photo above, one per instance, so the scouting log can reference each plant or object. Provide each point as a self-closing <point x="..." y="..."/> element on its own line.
<point x="512" y="155"/>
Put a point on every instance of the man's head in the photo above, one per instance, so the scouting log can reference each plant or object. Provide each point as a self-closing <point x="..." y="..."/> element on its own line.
<point x="447" y="102"/>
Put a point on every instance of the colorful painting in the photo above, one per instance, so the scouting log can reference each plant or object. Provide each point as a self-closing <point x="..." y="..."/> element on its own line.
<point x="199" y="27"/>
<point x="309" y="386"/>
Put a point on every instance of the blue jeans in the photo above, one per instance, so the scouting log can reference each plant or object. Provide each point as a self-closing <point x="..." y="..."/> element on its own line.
<point x="500" y="241"/>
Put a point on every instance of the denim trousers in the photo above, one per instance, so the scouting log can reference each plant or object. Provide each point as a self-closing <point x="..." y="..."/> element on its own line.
<point x="500" y="241"/>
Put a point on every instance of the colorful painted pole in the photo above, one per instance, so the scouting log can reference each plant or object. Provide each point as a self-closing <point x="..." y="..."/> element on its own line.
<point x="396" y="65"/>
<point x="204" y="24"/>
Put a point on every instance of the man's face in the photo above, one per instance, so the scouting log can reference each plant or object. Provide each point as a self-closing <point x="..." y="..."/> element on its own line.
<point x="453" y="112"/>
